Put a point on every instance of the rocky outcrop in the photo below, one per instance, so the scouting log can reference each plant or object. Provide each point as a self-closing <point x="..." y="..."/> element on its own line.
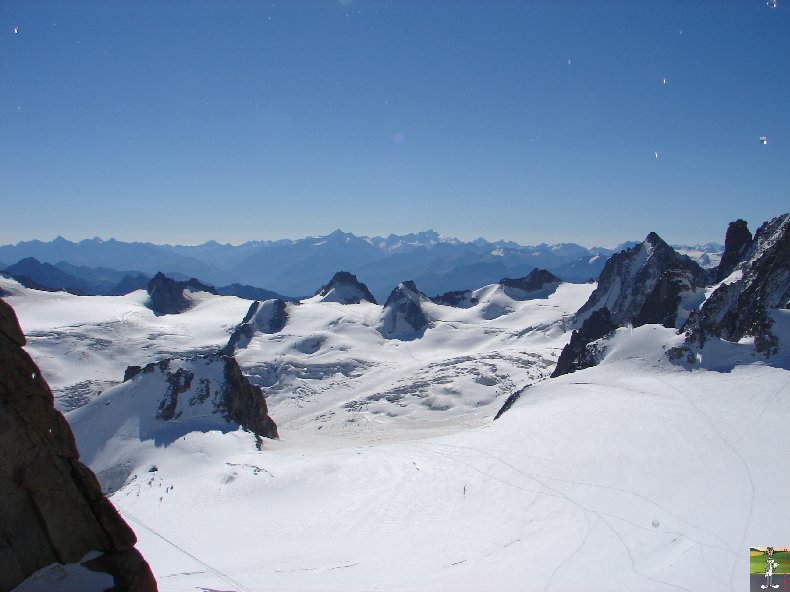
<point x="267" y="317"/>
<point x="345" y="288"/>
<point x="403" y="316"/>
<point x="644" y="284"/>
<point x="198" y="391"/>
<point x="583" y="350"/>
<point x="457" y="298"/>
<point x="737" y="243"/>
<point x="539" y="283"/>
<point x="742" y="308"/>
<point x="52" y="509"/>
<point x="244" y="403"/>
<point x="167" y="295"/>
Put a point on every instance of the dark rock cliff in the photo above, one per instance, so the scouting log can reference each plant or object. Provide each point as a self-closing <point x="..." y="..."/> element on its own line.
<point x="743" y="307"/>
<point x="536" y="281"/>
<point x="456" y="298"/>
<point x="737" y="243"/>
<point x="184" y="386"/>
<point x="403" y="316"/>
<point x="52" y="507"/>
<point x="265" y="317"/>
<point x="167" y="295"/>
<point x="636" y="284"/>
<point x="345" y="288"/>
<point x="581" y="351"/>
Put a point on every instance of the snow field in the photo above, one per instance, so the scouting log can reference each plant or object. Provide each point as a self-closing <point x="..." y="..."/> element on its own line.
<point x="559" y="494"/>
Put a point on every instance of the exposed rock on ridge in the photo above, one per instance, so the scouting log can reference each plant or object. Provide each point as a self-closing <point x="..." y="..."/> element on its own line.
<point x="737" y="243"/>
<point x="193" y="390"/>
<point x="642" y="285"/>
<point x="345" y="288"/>
<point x="582" y="351"/>
<point x="636" y="283"/>
<point x="403" y="316"/>
<point x="267" y="317"/>
<point x="52" y="508"/>
<point x="456" y="298"/>
<point x="742" y="308"/>
<point x="167" y="295"/>
<point x="538" y="283"/>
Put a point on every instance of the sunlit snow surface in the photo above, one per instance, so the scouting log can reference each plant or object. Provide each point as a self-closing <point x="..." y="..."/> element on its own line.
<point x="83" y="344"/>
<point x="424" y="492"/>
<point x="559" y="494"/>
<point x="331" y="369"/>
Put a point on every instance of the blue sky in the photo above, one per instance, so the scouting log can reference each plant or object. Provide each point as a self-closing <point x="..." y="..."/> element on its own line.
<point x="188" y="121"/>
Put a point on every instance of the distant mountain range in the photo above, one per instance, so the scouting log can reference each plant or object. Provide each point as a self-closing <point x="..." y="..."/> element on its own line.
<point x="299" y="267"/>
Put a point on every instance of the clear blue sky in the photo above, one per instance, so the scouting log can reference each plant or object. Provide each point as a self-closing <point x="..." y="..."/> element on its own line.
<point x="229" y="120"/>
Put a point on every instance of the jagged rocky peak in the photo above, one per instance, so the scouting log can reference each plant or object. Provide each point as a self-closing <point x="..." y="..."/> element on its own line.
<point x="747" y="306"/>
<point x="539" y="283"/>
<point x="737" y="243"/>
<point x="267" y="317"/>
<point x="645" y="284"/>
<point x="403" y="316"/>
<point x="53" y="510"/>
<point x="345" y="288"/>
<point x="584" y="349"/>
<point x="199" y="394"/>
<point x="167" y="295"/>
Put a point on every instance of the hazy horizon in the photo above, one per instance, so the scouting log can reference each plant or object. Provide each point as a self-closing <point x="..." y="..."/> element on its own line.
<point x="590" y="122"/>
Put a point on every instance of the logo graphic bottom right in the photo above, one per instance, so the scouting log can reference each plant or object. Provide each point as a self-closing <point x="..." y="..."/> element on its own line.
<point x="769" y="569"/>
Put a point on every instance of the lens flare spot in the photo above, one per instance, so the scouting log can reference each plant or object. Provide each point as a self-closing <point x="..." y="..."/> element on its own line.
<point x="398" y="138"/>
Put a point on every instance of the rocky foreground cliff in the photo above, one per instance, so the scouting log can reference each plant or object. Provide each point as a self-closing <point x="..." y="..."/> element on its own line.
<point x="51" y="506"/>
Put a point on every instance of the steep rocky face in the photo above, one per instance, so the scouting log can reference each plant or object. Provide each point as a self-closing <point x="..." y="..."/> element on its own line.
<point x="345" y="288"/>
<point x="582" y="350"/>
<point x="737" y="243"/>
<point x="208" y="392"/>
<point x="167" y="295"/>
<point x="538" y="283"/>
<point x="743" y="307"/>
<point x="264" y="317"/>
<point x="52" y="507"/>
<point x="643" y="283"/>
<point x="403" y="316"/>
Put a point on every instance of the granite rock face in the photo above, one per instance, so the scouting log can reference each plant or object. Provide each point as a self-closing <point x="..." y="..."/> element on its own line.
<point x="737" y="243"/>
<point x="742" y="307"/>
<point x="345" y="288"/>
<point x="644" y="284"/>
<point x="582" y="350"/>
<point x="52" y="507"/>
<point x="403" y="316"/>
<point x="167" y="295"/>
<point x="207" y="392"/>
<point x="267" y="317"/>
<point x="538" y="281"/>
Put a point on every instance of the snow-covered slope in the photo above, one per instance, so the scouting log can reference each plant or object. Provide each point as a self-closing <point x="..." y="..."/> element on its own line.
<point x="161" y="403"/>
<point x="633" y="475"/>
<point x="332" y="367"/>
<point x="83" y="344"/>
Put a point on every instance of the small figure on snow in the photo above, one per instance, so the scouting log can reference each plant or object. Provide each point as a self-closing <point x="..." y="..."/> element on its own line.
<point x="769" y="570"/>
